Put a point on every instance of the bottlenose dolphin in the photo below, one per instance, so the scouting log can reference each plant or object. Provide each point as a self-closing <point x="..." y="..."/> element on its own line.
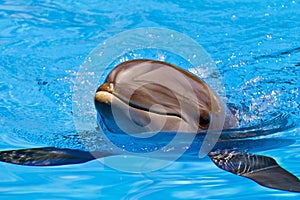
<point x="148" y="96"/>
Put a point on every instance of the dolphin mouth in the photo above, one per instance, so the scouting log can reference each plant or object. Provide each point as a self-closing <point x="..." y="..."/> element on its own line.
<point x="106" y="93"/>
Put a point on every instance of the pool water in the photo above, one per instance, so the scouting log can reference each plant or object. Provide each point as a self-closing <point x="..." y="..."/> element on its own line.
<point x="255" y="46"/>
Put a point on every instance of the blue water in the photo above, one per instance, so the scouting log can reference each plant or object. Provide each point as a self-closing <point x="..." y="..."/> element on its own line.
<point x="255" y="46"/>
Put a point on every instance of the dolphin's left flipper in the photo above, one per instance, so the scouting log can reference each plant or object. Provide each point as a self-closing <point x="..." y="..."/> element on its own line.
<point x="48" y="156"/>
<point x="262" y="169"/>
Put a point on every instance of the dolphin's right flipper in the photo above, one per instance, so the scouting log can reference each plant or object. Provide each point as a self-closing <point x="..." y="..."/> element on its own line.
<point x="262" y="169"/>
<point x="48" y="156"/>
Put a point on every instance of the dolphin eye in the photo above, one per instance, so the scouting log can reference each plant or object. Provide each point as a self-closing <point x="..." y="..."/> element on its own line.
<point x="204" y="121"/>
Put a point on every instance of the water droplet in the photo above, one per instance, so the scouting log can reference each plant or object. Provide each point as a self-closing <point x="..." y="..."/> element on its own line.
<point x="269" y="36"/>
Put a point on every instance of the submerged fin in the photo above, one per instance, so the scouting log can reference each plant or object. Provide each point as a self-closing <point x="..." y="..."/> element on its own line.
<point x="47" y="156"/>
<point x="261" y="169"/>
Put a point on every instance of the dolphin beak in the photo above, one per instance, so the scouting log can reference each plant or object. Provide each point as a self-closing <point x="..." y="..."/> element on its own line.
<point x="104" y="94"/>
<point x="103" y="100"/>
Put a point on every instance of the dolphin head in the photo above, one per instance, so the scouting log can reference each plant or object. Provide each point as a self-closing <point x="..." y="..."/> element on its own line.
<point x="152" y="96"/>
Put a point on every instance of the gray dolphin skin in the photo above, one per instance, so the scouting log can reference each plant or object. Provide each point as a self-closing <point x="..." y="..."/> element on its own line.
<point x="148" y="96"/>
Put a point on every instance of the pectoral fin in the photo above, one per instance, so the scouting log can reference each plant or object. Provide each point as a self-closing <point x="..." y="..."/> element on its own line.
<point x="261" y="169"/>
<point x="47" y="156"/>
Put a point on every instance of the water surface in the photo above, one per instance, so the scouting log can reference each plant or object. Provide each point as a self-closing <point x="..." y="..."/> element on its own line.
<point x="254" y="44"/>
